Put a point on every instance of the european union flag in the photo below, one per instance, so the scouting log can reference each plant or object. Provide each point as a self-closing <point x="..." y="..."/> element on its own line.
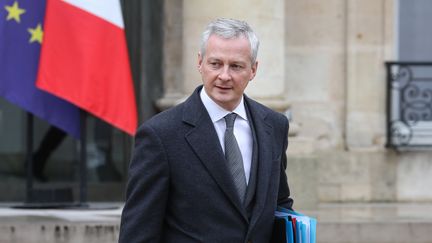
<point x="21" y="34"/>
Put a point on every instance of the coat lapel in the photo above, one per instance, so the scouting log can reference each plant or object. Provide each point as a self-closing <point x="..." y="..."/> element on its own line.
<point x="264" y="136"/>
<point x="250" y="194"/>
<point x="204" y="141"/>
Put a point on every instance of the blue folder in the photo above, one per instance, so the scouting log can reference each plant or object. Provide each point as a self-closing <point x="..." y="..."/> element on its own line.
<point x="305" y="230"/>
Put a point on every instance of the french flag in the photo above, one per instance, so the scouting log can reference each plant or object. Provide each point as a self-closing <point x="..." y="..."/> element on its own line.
<point x="84" y="59"/>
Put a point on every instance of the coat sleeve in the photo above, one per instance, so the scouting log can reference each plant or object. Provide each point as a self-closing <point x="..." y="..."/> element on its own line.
<point x="284" y="199"/>
<point x="147" y="190"/>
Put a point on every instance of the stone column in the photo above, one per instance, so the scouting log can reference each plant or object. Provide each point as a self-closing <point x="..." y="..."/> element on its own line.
<point x="370" y="42"/>
<point x="268" y="22"/>
<point x="172" y="54"/>
<point x="314" y="65"/>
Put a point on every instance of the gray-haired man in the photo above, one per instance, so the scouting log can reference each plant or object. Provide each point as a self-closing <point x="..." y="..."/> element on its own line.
<point x="211" y="169"/>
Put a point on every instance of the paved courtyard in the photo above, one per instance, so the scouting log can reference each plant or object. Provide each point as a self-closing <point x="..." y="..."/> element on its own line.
<point x="347" y="223"/>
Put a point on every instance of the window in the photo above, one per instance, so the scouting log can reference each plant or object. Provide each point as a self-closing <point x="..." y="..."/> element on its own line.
<point x="410" y="79"/>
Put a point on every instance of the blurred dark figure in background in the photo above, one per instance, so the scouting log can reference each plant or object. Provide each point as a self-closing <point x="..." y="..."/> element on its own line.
<point x="50" y="142"/>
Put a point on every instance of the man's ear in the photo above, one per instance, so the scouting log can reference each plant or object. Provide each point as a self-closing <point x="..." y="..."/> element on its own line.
<point x="200" y="60"/>
<point x="254" y="70"/>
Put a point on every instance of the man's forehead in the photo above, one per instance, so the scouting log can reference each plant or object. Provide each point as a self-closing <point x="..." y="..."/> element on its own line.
<point x="235" y="37"/>
<point x="232" y="46"/>
<point x="213" y="58"/>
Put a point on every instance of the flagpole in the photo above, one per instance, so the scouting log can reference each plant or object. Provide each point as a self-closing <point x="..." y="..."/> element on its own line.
<point x="29" y="159"/>
<point x="83" y="160"/>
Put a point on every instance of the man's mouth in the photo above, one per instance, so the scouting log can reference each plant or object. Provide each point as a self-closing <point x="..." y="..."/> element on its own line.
<point x="223" y="87"/>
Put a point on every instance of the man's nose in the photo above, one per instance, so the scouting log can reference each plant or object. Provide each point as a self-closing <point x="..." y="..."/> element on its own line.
<point x="224" y="74"/>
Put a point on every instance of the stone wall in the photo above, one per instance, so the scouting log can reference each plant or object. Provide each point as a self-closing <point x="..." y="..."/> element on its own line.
<point x="336" y="85"/>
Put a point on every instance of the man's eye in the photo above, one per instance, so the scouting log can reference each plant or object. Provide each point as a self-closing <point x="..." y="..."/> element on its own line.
<point x="214" y="64"/>
<point x="236" y="67"/>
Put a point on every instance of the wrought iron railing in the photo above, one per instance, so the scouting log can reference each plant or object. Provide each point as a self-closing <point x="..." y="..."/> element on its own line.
<point x="409" y="104"/>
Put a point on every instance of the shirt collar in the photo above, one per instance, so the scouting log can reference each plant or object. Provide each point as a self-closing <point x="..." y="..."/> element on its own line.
<point x="216" y="112"/>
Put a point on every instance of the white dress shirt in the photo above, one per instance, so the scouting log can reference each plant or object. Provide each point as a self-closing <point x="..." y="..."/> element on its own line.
<point x="242" y="129"/>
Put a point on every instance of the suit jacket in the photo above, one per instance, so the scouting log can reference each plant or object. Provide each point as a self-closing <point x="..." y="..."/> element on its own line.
<point x="180" y="189"/>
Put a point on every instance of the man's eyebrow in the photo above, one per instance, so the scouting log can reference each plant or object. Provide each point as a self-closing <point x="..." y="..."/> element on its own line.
<point x="212" y="59"/>
<point x="238" y="62"/>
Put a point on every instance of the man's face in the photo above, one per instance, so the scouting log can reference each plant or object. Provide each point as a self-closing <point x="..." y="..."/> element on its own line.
<point x="226" y="69"/>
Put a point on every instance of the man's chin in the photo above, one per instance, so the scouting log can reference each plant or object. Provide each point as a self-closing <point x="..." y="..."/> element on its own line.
<point x="222" y="99"/>
<point x="225" y="103"/>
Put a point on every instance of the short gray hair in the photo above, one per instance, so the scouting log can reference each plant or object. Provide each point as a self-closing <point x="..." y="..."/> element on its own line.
<point x="230" y="29"/>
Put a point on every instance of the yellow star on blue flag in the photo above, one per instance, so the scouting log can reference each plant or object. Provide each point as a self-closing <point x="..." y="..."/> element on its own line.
<point x="36" y="34"/>
<point x="14" y="12"/>
<point x="21" y="24"/>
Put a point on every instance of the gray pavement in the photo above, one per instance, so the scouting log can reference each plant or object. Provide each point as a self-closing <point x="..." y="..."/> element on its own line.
<point x="348" y="223"/>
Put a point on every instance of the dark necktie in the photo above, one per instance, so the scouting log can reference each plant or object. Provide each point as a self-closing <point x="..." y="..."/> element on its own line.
<point x="234" y="157"/>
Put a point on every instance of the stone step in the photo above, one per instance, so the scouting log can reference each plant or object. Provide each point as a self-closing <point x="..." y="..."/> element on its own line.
<point x="97" y="223"/>
<point x="337" y="223"/>
<point x="373" y="223"/>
